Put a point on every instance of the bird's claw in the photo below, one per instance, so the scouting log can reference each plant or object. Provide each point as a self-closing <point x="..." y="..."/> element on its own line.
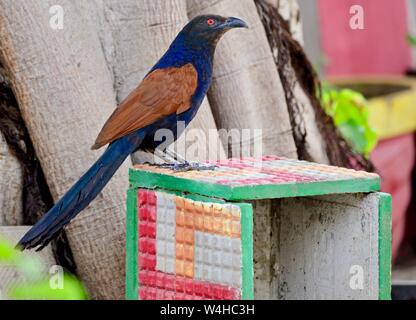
<point x="187" y="166"/>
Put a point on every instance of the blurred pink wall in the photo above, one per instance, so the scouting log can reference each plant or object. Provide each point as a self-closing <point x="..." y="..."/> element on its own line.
<point x="394" y="159"/>
<point x="381" y="48"/>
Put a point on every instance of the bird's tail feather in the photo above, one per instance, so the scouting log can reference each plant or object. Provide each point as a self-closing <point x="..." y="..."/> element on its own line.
<point x="77" y="198"/>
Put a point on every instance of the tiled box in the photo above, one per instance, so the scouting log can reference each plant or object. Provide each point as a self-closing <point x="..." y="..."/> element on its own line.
<point x="268" y="228"/>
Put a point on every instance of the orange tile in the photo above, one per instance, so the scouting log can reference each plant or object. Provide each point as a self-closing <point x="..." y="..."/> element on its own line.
<point x="188" y="269"/>
<point x="180" y="267"/>
<point x="180" y="203"/>
<point x="199" y="222"/>
<point x="180" y="252"/>
<point x="188" y="252"/>
<point x="189" y="206"/>
<point x="235" y="229"/>
<point x="226" y="227"/>
<point x="180" y="234"/>
<point x="217" y="211"/>
<point x="180" y="218"/>
<point x="236" y="214"/>
<point x="217" y="225"/>
<point x="190" y="220"/>
<point x="227" y="214"/>
<point x="189" y="236"/>
<point x="207" y="208"/>
<point x="199" y="208"/>
<point x="208" y="224"/>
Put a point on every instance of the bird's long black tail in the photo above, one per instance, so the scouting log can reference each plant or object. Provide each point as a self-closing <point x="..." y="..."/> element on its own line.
<point x="78" y="197"/>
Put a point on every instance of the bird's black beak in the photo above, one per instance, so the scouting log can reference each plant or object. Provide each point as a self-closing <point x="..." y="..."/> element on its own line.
<point x="232" y="23"/>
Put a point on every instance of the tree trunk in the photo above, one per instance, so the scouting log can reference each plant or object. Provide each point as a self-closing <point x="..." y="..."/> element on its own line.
<point x="11" y="187"/>
<point x="315" y="144"/>
<point x="65" y="92"/>
<point x="289" y="10"/>
<point x="246" y="92"/>
<point x="286" y="40"/>
<point x="136" y="34"/>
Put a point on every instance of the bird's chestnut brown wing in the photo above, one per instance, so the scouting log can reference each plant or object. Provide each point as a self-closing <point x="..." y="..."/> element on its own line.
<point x="162" y="92"/>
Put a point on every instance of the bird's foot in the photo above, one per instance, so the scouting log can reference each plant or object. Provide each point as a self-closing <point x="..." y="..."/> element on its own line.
<point x="187" y="166"/>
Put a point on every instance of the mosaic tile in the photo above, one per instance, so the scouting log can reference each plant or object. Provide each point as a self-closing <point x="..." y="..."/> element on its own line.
<point x="245" y="179"/>
<point x="188" y="249"/>
<point x="213" y="253"/>
<point x="165" y="235"/>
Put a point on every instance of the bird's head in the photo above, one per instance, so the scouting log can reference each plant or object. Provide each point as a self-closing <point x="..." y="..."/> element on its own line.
<point x="208" y="29"/>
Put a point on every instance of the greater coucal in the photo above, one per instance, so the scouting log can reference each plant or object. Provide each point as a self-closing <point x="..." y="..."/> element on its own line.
<point x="171" y="92"/>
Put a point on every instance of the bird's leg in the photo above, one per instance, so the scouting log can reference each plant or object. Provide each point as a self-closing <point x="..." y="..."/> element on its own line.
<point x="180" y="164"/>
<point x="166" y="157"/>
<point x="176" y="156"/>
<point x="172" y="160"/>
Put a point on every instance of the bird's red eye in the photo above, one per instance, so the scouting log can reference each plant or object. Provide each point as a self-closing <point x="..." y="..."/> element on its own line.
<point x="210" y="22"/>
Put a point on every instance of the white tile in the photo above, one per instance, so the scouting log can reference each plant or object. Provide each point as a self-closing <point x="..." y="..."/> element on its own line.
<point x="227" y="261"/>
<point x="170" y="249"/>
<point x="236" y="245"/>
<point x="161" y="247"/>
<point x="226" y="276"/>
<point x="236" y="263"/>
<point x="165" y="232"/>
<point x="236" y="279"/>
<point x="216" y="275"/>
<point x="216" y="261"/>
<point x="216" y="258"/>
<point x="170" y="265"/>
<point x="160" y="263"/>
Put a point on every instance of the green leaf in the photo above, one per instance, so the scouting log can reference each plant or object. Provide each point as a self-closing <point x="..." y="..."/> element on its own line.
<point x="349" y="109"/>
<point x="30" y="267"/>
<point x="8" y="254"/>
<point x="37" y="286"/>
<point x="411" y="39"/>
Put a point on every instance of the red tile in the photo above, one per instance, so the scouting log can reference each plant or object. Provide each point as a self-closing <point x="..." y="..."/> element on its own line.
<point x="143" y="245"/>
<point x="151" y="230"/>
<point x="170" y="282"/>
<point x="180" y="284"/>
<point x="147" y="262"/>
<point x="142" y="229"/>
<point x="151" y="246"/>
<point x="160" y="286"/>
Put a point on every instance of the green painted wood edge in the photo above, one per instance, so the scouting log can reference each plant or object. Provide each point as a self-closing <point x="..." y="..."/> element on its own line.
<point x="384" y="246"/>
<point x="247" y="250"/>
<point x="150" y="180"/>
<point x="191" y="196"/>
<point x="132" y="281"/>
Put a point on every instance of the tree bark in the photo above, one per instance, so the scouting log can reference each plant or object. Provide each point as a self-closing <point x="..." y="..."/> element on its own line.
<point x="11" y="187"/>
<point x="309" y="141"/>
<point x="136" y="34"/>
<point x="315" y="144"/>
<point x="289" y="10"/>
<point x="65" y="92"/>
<point x="246" y="92"/>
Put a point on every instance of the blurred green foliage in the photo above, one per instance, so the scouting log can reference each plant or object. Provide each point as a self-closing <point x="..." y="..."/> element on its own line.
<point x="349" y="109"/>
<point x="411" y="39"/>
<point x="42" y="290"/>
<point x="37" y="284"/>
